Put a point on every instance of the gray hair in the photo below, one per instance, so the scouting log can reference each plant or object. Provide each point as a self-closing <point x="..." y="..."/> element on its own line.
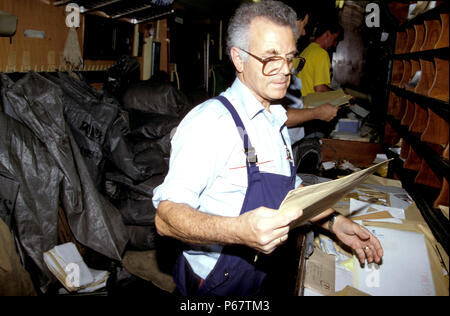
<point x="275" y="11"/>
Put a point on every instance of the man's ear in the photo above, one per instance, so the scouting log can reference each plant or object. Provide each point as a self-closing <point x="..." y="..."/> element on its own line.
<point x="237" y="59"/>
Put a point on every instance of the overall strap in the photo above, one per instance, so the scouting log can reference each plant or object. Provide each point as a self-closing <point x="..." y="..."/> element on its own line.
<point x="248" y="148"/>
<point x="288" y="153"/>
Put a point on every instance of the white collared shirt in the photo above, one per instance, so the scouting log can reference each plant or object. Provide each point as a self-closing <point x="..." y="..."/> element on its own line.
<point x="207" y="167"/>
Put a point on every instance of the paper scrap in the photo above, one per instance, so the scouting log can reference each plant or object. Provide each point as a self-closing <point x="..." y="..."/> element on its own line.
<point x="344" y="278"/>
<point x="385" y="220"/>
<point x="360" y="208"/>
<point x="405" y="269"/>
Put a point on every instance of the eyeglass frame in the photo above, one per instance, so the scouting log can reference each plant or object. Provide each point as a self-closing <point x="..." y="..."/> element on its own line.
<point x="264" y="61"/>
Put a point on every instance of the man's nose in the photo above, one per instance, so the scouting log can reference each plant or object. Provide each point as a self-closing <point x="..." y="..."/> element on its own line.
<point x="285" y="69"/>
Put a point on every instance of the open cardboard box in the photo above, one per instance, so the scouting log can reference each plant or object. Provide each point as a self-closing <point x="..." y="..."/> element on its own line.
<point x="320" y="267"/>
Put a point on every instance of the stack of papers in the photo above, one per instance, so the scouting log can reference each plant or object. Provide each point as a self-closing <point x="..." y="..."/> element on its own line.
<point x="66" y="263"/>
<point x="336" y="98"/>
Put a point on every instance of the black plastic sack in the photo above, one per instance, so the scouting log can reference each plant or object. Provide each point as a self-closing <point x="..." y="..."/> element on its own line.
<point x="9" y="189"/>
<point x="30" y="182"/>
<point x="153" y="155"/>
<point x="151" y="125"/>
<point x="89" y="119"/>
<point x="121" y="75"/>
<point x="158" y="97"/>
<point x="94" y="221"/>
<point x="74" y="86"/>
<point x="142" y="237"/>
<point x="137" y="212"/>
<point x="5" y="105"/>
<point x="162" y="144"/>
<point x="122" y="187"/>
<point x="119" y="150"/>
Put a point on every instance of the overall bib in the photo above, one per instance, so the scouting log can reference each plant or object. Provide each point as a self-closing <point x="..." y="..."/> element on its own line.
<point x="235" y="273"/>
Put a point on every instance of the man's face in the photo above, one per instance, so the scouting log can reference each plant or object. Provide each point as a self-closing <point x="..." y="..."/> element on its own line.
<point x="332" y="40"/>
<point x="301" y="24"/>
<point x="268" y="39"/>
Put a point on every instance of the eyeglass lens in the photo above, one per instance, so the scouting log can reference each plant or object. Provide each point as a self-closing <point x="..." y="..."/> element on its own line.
<point x="274" y="65"/>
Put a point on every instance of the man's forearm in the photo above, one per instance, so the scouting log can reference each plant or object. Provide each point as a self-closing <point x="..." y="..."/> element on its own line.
<point x="189" y="225"/>
<point x="322" y="88"/>
<point x="322" y="219"/>
<point x="299" y="116"/>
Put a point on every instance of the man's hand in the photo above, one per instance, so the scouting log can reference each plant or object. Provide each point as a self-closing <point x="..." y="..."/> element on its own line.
<point x="363" y="242"/>
<point x="265" y="229"/>
<point x="326" y="112"/>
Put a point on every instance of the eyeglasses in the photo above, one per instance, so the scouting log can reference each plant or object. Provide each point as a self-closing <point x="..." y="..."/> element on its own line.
<point x="272" y="65"/>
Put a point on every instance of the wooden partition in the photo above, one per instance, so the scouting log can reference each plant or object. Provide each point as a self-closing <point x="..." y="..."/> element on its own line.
<point x="418" y="112"/>
<point x="21" y="54"/>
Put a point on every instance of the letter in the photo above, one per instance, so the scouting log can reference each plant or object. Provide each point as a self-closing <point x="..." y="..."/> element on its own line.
<point x="73" y="275"/>
<point x="73" y="16"/>
<point x="211" y="307"/>
<point x="203" y="306"/>
<point x="373" y="278"/>
<point x="373" y="18"/>
<point x="183" y="306"/>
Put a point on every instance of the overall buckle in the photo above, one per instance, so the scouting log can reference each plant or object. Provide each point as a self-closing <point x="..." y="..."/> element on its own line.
<point x="251" y="155"/>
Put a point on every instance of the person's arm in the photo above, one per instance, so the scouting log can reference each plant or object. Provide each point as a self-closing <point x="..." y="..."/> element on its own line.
<point x="262" y="229"/>
<point x="363" y="242"/>
<point x="322" y="88"/>
<point x="325" y="112"/>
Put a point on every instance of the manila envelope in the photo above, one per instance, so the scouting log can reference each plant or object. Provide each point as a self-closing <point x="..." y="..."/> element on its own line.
<point x="320" y="272"/>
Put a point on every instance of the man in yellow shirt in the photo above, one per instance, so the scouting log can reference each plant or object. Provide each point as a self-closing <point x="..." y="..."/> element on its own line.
<point x="315" y="75"/>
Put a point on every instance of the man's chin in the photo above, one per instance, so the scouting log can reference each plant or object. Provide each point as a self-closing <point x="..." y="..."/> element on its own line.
<point x="278" y="95"/>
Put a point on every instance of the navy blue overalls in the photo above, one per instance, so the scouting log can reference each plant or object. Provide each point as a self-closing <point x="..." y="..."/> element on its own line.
<point x="234" y="272"/>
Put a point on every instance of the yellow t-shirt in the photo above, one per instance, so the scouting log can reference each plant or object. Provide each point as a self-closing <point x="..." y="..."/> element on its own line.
<point x="316" y="70"/>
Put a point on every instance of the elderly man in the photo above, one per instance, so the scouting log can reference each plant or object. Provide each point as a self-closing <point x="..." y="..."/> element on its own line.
<point x="231" y="166"/>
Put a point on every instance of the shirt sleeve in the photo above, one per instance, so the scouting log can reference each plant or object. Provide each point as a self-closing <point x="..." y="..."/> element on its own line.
<point x="195" y="157"/>
<point x="298" y="181"/>
<point x="322" y="71"/>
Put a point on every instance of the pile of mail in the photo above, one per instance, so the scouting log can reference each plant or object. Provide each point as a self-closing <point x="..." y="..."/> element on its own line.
<point x="409" y="266"/>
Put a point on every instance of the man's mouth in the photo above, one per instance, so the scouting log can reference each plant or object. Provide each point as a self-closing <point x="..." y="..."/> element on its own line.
<point x="280" y="84"/>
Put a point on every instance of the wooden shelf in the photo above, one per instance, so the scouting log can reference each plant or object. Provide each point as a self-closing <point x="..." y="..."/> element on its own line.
<point x="418" y="114"/>
<point x="438" y="164"/>
<point x="439" y="107"/>
<point x="428" y="15"/>
<point x="443" y="53"/>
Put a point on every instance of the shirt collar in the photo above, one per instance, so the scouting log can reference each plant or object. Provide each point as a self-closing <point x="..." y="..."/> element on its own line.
<point x="247" y="100"/>
<point x="250" y="104"/>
